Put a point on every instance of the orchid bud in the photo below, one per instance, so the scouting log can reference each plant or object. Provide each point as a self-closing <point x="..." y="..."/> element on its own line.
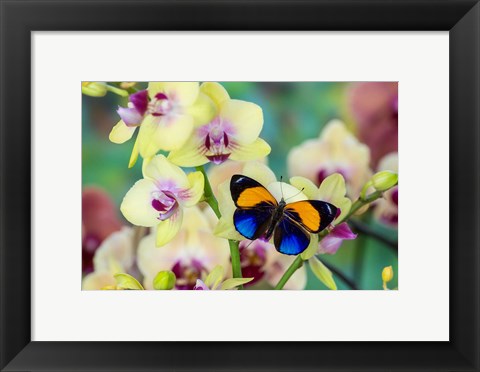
<point x="94" y="88"/>
<point x="384" y="180"/>
<point x="127" y="84"/>
<point x="387" y="274"/>
<point x="164" y="280"/>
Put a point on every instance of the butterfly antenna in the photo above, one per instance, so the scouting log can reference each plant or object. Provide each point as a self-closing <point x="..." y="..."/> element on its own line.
<point x="281" y="188"/>
<point x="249" y="244"/>
<point x="295" y="194"/>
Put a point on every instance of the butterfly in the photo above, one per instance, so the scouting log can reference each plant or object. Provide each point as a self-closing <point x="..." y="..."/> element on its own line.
<point x="259" y="215"/>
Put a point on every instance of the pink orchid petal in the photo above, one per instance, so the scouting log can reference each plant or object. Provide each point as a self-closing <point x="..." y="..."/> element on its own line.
<point x="130" y="116"/>
<point x="332" y="242"/>
<point x="200" y="286"/>
<point x="140" y="101"/>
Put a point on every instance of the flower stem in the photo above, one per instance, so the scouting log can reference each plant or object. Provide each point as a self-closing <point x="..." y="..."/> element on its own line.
<point x="235" y="254"/>
<point x="208" y="193"/>
<point x="213" y="203"/>
<point x="117" y="91"/>
<point x="295" y="265"/>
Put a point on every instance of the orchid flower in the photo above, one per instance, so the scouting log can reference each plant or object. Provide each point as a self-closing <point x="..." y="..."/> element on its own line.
<point x="231" y="134"/>
<point x="214" y="280"/>
<point x="99" y="220"/>
<point x="335" y="151"/>
<point x="386" y="209"/>
<point x="159" y="198"/>
<point x="332" y="190"/>
<point x="115" y="255"/>
<point x="374" y="108"/>
<point x="166" y="113"/>
<point x="190" y="255"/>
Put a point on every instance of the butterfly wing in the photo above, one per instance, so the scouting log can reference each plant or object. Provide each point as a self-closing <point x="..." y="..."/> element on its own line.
<point x="292" y="234"/>
<point x="252" y="223"/>
<point x="255" y="206"/>
<point x="313" y="215"/>
<point x="290" y="238"/>
<point x="248" y="193"/>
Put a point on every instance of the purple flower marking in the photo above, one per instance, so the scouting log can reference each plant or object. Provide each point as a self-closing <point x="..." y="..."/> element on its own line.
<point x="133" y="114"/>
<point x="188" y="273"/>
<point x="332" y="242"/>
<point x="325" y="172"/>
<point x="165" y="203"/>
<point x="216" y="140"/>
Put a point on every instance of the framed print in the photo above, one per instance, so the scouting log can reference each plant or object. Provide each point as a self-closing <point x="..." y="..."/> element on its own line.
<point x="252" y="151"/>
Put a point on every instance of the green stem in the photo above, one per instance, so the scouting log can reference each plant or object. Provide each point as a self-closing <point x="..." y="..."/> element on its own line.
<point x="118" y="91"/>
<point x="235" y="254"/>
<point x="208" y="193"/>
<point x="213" y="203"/>
<point x="295" y="265"/>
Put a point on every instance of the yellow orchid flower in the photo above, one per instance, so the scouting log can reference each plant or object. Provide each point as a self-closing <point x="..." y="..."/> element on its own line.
<point x="166" y="113"/>
<point x="115" y="255"/>
<point x="190" y="255"/>
<point x="159" y="198"/>
<point x="335" y="151"/>
<point x="214" y="280"/>
<point x="231" y="134"/>
<point x="386" y="209"/>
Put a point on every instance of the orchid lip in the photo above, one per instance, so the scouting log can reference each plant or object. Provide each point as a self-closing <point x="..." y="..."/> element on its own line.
<point x="140" y="101"/>
<point x="165" y="203"/>
<point x="218" y="159"/>
<point x="187" y="273"/>
<point x="218" y="149"/>
<point x="160" y="105"/>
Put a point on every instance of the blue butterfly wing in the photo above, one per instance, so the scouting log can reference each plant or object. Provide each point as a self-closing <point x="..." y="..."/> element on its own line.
<point x="290" y="238"/>
<point x="253" y="222"/>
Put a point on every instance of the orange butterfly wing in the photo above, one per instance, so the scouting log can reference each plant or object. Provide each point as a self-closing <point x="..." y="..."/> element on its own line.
<point x="313" y="215"/>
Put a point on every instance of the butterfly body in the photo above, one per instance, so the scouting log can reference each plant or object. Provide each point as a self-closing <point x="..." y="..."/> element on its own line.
<point x="259" y="215"/>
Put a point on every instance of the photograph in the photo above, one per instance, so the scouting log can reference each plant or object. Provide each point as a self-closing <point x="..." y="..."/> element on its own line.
<point x="240" y="185"/>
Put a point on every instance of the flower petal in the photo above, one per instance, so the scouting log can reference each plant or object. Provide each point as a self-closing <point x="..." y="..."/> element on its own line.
<point x="225" y="229"/>
<point x="234" y="282"/>
<point x="246" y="117"/>
<point x="98" y="280"/>
<point x="333" y="190"/>
<point x="195" y="192"/>
<point x="333" y="241"/>
<point x="130" y="116"/>
<point x="163" y="133"/>
<point x="311" y="249"/>
<point x="134" y="155"/>
<point x="185" y="93"/>
<point x="137" y="204"/>
<point x="151" y="260"/>
<point x="167" y="229"/>
<point x="217" y="93"/>
<point x="125" y="281"/>
<point x="214" y="278"/>
<point x="259" y="172"/>
<point x="322" y="273"/>
<point x="253" y="151"/>
<point x="140" y="101"/>
<point x="200" y="286"/>
<point x="115" y="254"/>
<point x="159" y="168"/>
<point x="309" y="188"/>
<point x="189" y="154"/>
<point x="121" y="133"/>
<point x="203" y="110"/>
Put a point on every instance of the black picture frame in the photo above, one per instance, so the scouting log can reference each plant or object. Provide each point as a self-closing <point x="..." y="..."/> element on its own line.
<point x="19" y="18"/>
